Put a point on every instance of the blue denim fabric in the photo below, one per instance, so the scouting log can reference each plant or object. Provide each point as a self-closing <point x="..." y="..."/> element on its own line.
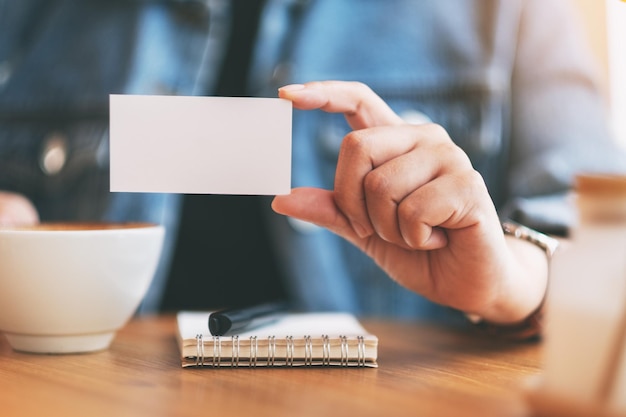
<point x="510" y="80"/>
<point x="59" y="61"/>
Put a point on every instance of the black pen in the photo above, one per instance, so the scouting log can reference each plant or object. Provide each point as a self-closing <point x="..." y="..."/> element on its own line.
<point x="232" y="321"/>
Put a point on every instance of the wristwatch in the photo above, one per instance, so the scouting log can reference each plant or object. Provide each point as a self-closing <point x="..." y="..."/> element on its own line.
<point x="545" y="242"/>
<point x="531" y="326"/>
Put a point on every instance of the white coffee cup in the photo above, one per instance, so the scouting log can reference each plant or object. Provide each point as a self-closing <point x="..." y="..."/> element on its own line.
<point x="68" y="287"/>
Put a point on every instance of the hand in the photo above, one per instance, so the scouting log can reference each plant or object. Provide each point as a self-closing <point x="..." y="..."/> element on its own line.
<point x="409" y="198"/>
<point x="16" y="210"/>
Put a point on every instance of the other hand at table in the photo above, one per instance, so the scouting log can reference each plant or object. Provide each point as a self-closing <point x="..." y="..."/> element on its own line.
<point x="16" y="210"/>
<point x="409" y="198"/>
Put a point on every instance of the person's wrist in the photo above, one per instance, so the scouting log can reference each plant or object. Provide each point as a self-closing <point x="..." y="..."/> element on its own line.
<point x="518" y="312"/>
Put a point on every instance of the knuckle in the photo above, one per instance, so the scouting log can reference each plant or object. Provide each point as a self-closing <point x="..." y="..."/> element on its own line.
<point x="460" y="158"/>
<point x="437" y="131"/>
<point x="455" y="157"/>
<point x="376" y="184"/>
<point x="355" y="143"/>
<point x="408" y="211"/>
<point x="474" y="180"/>
<point x="360" y="87"/>
<point x="432" y="134"/>
<point x="315" y="84"/>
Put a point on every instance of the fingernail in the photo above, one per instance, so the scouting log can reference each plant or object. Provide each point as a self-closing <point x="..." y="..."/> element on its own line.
<point x="360" y="230"/>
<point x="292" y="87"/>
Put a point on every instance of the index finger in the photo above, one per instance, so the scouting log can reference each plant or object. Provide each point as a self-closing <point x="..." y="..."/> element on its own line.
<point x="361" y="107"/>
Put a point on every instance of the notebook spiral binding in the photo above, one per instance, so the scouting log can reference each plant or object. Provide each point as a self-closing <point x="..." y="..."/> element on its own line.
<point x="200" y="350"/>
<point x="216" y="359"/>
<point x="234" y="360"/>
<point x="217" y="351"/>
<point x="361" y="350"/>
<point x="254" y="348"/>
<point x="325" y="350"/>
<point x="271" y="350"/>
<point x="344" y="350"/>
<point x="308" y="351"/>
<point x="290" y="349"/>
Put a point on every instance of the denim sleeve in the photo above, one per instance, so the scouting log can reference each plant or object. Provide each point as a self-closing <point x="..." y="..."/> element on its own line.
<point x="430" y="60"/>
<point x="559" y="120"/>
<point x="59" y="61"/>
<point x="509" y="81"/>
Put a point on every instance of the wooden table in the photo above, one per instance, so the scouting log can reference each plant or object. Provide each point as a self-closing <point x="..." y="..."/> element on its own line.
<point x="423" y="371"/>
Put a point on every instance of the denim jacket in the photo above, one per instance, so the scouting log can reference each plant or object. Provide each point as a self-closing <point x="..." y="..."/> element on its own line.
<point x="59" y="61"/>
<point x="509" y="79"/>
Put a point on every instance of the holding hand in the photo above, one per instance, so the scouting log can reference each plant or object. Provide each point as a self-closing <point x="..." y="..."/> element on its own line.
<point x="409" y="198"/>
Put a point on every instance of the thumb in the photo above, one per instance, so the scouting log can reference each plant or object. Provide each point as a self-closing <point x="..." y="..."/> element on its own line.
<point x="317" y="206"/>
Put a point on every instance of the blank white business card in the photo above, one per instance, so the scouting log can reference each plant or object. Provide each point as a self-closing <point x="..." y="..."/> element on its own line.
<point x="200" y="145"/>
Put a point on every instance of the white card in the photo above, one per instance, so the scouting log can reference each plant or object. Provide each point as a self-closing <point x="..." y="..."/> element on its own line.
<point x="200" y="145"/>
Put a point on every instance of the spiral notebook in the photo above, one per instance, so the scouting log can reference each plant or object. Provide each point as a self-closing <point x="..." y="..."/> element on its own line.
<point x="295" y="339"/>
